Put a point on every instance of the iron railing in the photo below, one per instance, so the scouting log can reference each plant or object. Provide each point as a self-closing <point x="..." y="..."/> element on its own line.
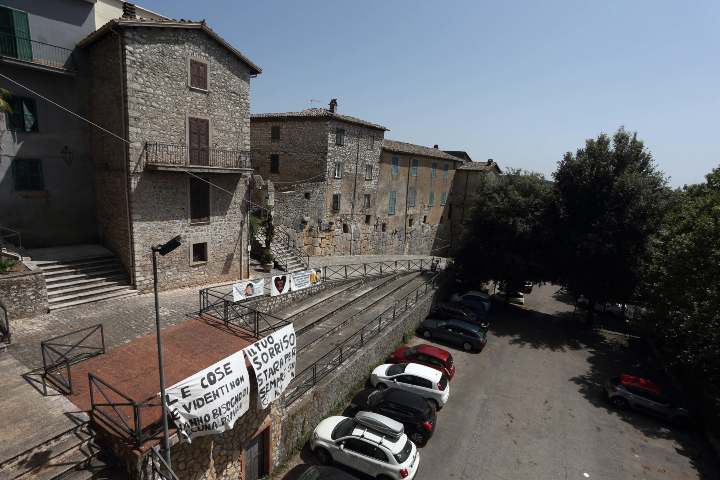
<point x="326" y="364"/>
<point x="4" y="326"/>
<point x="40" y="53"/>
<point x="158" y="468"/>
<point x="290" y="245"/>
<point x="179" y="155"/>
<point x="8" y="236"/>
<point x="121" y="413"/>
<point x="59" y="353"/>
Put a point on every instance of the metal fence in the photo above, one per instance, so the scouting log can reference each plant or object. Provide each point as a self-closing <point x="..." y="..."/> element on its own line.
<point x="36" y="52"/>
<point x="59" y="353"/>
<point x="179" y="155"/>
<point x="158" y="468"/>
<point x="121" y="413"/>
<point x="326" y="364"/>
<point x="291" y="246"/>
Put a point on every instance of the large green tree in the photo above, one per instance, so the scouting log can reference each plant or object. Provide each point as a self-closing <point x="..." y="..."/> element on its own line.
<point x="610" y="199"/>
<point x="507" y="237"/>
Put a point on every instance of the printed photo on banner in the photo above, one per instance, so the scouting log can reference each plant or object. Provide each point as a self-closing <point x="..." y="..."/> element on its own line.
<point x="280" y="284"/>
<point x="305" y="279"/>
<point x="273" y="360"/>
<point x="211" y="400"/>
<point x="248" y="289"/>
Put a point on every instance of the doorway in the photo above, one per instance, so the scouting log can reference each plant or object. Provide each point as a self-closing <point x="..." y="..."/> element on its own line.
<point x="256" y="456"/>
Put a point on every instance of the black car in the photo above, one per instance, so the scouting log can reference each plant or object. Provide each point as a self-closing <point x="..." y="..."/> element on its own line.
<point x="318" y="472"/>
<point x="470" y="336"/>
<point x="415" y="413"/>
<point x="457" y="311"/>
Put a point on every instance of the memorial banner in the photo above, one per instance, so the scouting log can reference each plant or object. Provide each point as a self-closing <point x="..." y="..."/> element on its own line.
<point x="248" y="289"/>
<point x="210" y="401"/>
<point x="305" y="279"/>
<point x="273" y="360"/>
<point x="280" y="284"/>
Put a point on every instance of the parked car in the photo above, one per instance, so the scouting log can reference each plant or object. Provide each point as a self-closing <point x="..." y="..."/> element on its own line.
<point x="447" y="311"/>
<point x="629" y="391"/>
<point x="370" y="443"/>
<point x="527" y="287"/>
<point x="413" y="377"/>
<point x="468" y="335"/>
<point x="476" y="300"/>
<point x="417" y="415"/>
<point x="426" y="354"/>
<point x="513" y="296"/>
<point x="321" y="472"/>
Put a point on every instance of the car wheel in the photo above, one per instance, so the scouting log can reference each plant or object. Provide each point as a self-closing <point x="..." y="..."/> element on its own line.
<point x="467" y="347"/>
<point x="323" y="456"/>
<point x="619" y="402"/>
<point x="427" y="334"/>
<point x="417" y="438"/>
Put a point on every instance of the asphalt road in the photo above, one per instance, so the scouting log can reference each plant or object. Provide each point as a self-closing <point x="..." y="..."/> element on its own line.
<point x="530" y="406"/>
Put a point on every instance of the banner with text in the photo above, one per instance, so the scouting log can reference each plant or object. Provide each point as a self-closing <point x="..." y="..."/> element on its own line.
<point x="305" y="279"/>
<point x="248" y="289"/>
<point x="210" y="401"/>
<point x="280" y="284"/>
<point x="273" y="359"/>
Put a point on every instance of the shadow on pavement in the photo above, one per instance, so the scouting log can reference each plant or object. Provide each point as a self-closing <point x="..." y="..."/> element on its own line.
<point x="609" y="355"/>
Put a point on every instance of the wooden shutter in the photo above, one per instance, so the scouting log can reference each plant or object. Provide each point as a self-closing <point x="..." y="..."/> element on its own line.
<point x="198" y="75"/>
<point x="22" y="35"/>
<point x="199" y="140"/>
<point x="199" y="201"/>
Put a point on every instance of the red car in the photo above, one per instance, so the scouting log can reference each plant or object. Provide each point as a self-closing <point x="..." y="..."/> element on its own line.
<point x="425" y="354"/>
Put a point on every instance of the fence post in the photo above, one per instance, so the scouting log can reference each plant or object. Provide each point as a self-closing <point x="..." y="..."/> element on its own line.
<point x="92" y="396"/>
<point x="102" y="337"/>
<point x="381" y="268"/>
<point x="346" y="272"/>
<point x="341" y="356"/>
<point x="257" y="324"/>
<point x="138" y="428"/>
<point x="362" y="336"/>
<point x="394" y="305"/>
<point x="396" y="266"/>
<point x="365" y="269"/>
<point x="314" y="377"/>
<point x="225" y="311"/>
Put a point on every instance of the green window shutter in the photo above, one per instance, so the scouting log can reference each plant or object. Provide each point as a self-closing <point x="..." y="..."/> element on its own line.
<point x="22" y="35"/>
<point x="431" y="200"/>
<point x="7" y="33"/>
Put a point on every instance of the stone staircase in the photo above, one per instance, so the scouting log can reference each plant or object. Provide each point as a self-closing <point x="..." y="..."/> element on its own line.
<point x="286" y="255"/>
<point x="72" y="455"/>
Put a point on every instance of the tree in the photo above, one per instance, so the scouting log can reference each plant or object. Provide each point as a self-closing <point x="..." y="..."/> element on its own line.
<point x="610" y="200"/>
<point x="507" y="238"/>
<point x="4" y="105"/>
<point x="681" y="287"/>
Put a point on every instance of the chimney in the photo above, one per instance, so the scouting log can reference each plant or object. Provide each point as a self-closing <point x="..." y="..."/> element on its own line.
<point x="129" y="10"/>
<point x="333" y="105"/>
<point x="490" y="161"/>
<point x="435" y="146"/>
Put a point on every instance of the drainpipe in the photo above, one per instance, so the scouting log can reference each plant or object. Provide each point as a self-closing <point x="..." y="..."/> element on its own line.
<point x="352" y="203"/>
<point x="407" y="190"/>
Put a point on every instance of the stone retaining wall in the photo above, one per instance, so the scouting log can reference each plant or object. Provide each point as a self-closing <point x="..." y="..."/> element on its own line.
<point x="23" y="294"/>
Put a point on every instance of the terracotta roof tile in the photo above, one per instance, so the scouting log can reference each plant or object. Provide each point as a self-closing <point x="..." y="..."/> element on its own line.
<point x="412" y="149"/>
<point x="317" y="113"/>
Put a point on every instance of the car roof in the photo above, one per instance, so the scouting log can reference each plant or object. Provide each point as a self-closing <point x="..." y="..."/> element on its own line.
<point x="476" y="293"/>
<point x="432" y="351"/>
<point x="644" y="383"/>
<point x="466" y="325"/>
<point x="412" y="400"/>
<point x="392" y="443"/>
<point x="423" y="371"/>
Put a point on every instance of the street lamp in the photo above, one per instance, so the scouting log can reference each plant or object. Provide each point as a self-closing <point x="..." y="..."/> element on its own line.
<point x="163" y="250"/>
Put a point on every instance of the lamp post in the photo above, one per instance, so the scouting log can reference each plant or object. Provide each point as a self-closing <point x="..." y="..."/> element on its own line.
<point x="163" y="250"/>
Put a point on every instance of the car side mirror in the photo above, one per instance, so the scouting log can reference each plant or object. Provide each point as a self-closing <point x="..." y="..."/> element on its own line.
<point x="342" y="446"/>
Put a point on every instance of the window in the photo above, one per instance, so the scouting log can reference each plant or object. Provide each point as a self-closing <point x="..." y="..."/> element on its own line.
<point x="368" y="172"/>
<point x="446" y="171"/>
<point x="431" y="199"/>
<point x="199" y="252"/>
<point x="366" y="200"/>
<point x="424" y="218"/>
<point x="361" y="447"/>
<point x="28" y="175"/>
<point x="410" y="221"/>
<point x="274" y="163"/>
<point x="339" y="136"/>
<point x="307" y="195"/>
<point x="345" y="228"/>
<point x="338" y="169"/>
<point x="412" y="195"/>
<point x="23" y="114"/>
<point x="198" y="75"/>
<point x="371" y="143"/>
<point x="367" y="219"/>
<point x="275" y="133"/>
<point x="336" y="202"/>
<point x="199" y="140"/>
<point x="395" y="166"/>
<point x="414" y="167"/>
<point x="443" y="198"/>
<point x="433" y="172"/>
<point x="383" y="227"/>
<point x="199" y="201"/>
<point x="391" y="203"/>
<point x="14" y="24"/>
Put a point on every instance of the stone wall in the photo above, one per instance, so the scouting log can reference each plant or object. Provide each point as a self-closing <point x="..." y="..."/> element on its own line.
<point x="23" y="294"/>
<point x="300" y="418"/>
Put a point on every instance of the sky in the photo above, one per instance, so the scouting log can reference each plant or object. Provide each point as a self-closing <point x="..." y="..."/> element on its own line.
<point x="521" y="82"/>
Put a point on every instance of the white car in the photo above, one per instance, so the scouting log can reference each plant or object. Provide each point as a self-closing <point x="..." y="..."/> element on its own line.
<point x="413" y="377"/>
<point x="370" y="443"/>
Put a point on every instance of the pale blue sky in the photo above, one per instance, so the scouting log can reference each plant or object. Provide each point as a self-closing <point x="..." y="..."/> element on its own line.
<point x="518" y="81"/>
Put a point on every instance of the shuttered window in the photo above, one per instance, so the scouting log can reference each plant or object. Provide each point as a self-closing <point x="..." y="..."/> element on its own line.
<point x="412" y="195"/>
<point x="28" y="175"/>
<point x="392" y="198"/>
<point x="431" y="200"/>
<point x="15" y="34"/>
<point x="22" y="116"/>
<point x="433" y="172"/>
<point x="395" y="166"/>
<point x="336" y="202"/>
<point x="199" y="201"/>
<point x="443" y="198"/>
<point x="274" y="163"/>
<point x="275" y="133"/>
<point x="198" y="75"/>
<point x="414" y="167"/>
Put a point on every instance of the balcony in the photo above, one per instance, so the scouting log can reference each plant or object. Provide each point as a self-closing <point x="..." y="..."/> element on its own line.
<point x="174" y="157"/>
<point x="24" y="51"/>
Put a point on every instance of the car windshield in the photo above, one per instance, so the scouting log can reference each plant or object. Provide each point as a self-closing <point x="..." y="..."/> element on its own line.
<point x="343" y="429"/>
<point x="396" y="369"/>
<point x="403" y="454"/>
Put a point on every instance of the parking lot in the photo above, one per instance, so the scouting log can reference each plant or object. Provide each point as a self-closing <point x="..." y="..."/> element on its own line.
<point x="530" y="406"/>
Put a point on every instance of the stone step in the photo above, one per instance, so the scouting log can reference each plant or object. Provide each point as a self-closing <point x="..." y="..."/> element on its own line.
<point x="127" y="292"/>
<point x="73" y="276"/>
<point x="119" y="277"/>
<point x="59" y="298"/>
<point x="64" y="464"/>
<point x="102" y="267"/>
<point x="51" y="265"/>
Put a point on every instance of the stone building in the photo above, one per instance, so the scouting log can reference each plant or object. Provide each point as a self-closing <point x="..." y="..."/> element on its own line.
<point x="325" y="168"/>
<point x="180" y="95"/>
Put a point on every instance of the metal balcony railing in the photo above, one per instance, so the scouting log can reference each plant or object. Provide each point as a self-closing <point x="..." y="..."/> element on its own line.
<point x="36" y="52"/>
<point x="178" y="155"/>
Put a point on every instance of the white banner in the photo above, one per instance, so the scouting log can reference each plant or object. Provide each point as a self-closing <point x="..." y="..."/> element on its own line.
<point x="280" y="284"/>
<point x="248" y="289"/>
<point x="273" y="359"/>
<point x="211" y="400"/>
<point x="305" y="279"/>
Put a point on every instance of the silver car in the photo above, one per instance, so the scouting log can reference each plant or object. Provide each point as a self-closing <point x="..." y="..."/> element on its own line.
<point x="629" y="391"/>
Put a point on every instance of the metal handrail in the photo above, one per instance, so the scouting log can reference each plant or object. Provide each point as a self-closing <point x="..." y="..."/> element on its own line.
<point x="7" y="233"/>
<point x="57" y="353"/>
<point x="181" y="155"/>
<point x="159" y="469"/>
<point x="304" y="257"/>
<point x="33" y="51"/>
